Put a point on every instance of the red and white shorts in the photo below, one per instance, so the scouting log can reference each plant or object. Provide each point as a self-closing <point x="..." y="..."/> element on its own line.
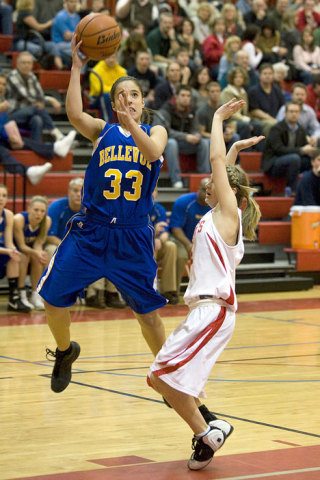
<point x="189" y="353"/>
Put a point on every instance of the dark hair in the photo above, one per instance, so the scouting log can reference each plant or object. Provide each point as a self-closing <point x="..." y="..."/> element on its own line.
<point x="299" y="85"/>
<point x="120" y="80"/>
<point x="183" y="87"/>
<point x="316" y="80"/>
<point x="194" y="79"/>
<point x="264" y="66"/>
<point x="184" y="20"/>
<point x="147" y="113"/>
<point x="292" y="102"/>
<point x="250" y="32"/>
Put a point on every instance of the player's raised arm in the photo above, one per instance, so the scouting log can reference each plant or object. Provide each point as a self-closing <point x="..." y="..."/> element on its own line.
<point x="88" y="126"/>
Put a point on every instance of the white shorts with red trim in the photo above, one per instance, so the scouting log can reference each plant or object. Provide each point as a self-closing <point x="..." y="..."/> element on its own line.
<point x="189" y="353"/>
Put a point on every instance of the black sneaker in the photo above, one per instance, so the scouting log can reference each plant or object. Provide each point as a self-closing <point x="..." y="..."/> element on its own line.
<point x="205" y="447"/>
<point x="16" y="305"/>
<point x="61" y="374"/>
<point x="207" y="415"/>
<point x="205" y="412"/>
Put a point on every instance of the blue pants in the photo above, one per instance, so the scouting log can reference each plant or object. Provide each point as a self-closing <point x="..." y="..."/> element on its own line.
<point x="33" y="118"/>
<point x="91" y="250"/>
<point x="174" y="147"/>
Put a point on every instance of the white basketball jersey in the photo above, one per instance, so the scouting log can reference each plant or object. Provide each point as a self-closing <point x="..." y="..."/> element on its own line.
<point x="213" y="264"/>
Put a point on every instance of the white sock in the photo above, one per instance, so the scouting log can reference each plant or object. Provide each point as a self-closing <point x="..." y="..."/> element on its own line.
<point x="202" y="434"/>
<point x="36" y="173"/>
<point x="63" y="146"/>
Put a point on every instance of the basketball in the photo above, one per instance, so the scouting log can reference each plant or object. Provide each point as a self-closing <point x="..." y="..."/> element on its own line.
<point x="100" y="35"/>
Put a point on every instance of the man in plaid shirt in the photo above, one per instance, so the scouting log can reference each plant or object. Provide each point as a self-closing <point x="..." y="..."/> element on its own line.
<point x="27" y="100"/>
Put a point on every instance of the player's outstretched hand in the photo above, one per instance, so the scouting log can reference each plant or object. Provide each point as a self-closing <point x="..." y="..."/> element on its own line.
<point x="123" y="113"/>
<point x="78" y="58"/>
<point x="247" y="142"/>
<point x="228" y="109"/>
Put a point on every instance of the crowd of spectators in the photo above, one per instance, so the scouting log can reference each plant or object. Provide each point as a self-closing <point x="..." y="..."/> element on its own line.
<point x="190" y="56"/>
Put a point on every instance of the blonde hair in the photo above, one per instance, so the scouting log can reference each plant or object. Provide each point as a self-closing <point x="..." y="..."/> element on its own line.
<point x="251" y="214"/>
<point x="25" y="5"/>
<point x="227" y="46"/>
<point x="43" y="223"/>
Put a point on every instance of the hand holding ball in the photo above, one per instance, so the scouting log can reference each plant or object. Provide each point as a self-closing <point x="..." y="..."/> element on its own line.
<point x="100" y="35"/>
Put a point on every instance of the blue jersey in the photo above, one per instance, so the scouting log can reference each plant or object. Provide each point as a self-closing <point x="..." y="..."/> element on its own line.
<point x="2" y="228"/>
<point x="186" y="213"/>
<point x="119" y="181"/>
<point x="29" y="234"/>
<point x="60" y="213"/>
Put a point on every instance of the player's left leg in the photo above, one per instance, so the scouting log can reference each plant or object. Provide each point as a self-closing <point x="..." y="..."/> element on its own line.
<point x="152" y="329"/>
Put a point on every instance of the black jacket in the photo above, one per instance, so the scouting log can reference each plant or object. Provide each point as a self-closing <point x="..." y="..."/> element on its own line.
<point x="277" y="143"/>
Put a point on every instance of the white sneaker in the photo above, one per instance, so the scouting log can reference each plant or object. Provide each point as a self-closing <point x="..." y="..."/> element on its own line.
<point x="57" y="134"/>
<point x="178" y="184"/>
<point x="24" y="299"/>
<point x="63" y="146"/>
<point x="36" y="173"/>
<point x="206" y="446"/>
<point x="37" y="301"/>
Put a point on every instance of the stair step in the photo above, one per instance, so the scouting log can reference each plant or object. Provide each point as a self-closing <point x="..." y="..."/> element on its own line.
<point x="30" y="158"/>
<point x="258" y="257"/>
<point x="274" y="284"/>
<point x="274" y="207"/>
<point x="53" y="184"/>
<point x="277" y="232"/>
<point x="250" y="161"/>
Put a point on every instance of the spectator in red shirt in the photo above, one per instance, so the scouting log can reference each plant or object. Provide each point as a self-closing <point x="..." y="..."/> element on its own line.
<point x="213" y="47"/>
<point x="313" y="95"/>
<point x="308" y="15"/>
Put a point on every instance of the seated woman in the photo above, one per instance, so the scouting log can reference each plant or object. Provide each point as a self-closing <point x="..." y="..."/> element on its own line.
<point x="199" y="83"/>
<point x="269" y="42"/>
<point x="306" y="57"/>
<point x="227" y="61"/>
<point x="30" y="234"/>
<point x="26" y="22"/>
<point x="235" y="89"/>
<point x="9" y="255"/>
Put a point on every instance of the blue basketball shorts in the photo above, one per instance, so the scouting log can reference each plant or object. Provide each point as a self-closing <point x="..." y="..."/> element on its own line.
<point x="91" y="250"/>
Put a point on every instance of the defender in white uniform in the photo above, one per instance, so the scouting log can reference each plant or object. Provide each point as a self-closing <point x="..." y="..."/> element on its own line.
<point x="182" y="367"/>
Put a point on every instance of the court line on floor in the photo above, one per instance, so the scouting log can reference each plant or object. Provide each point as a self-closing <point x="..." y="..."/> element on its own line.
<point x="132" y="395"/>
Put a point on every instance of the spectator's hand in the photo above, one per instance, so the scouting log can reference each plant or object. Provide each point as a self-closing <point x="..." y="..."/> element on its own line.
<point x="160" y="227"/>
<point x="312" y="141"/>
<point x="78" y="58"/>
<point x="194" y="139"/>
<point x="14" y="254"/>
<point x="283" y="51"/>
<point x="4" y="106"/>
<point x="38" y="104"/>
<point x="42" y="256"/>
<point x="185" y="75"/>
<point x="307" y="149"/>
<point x="55" y="104"/>
<point x="157" y="244"/>
<point x="172" y="34"/>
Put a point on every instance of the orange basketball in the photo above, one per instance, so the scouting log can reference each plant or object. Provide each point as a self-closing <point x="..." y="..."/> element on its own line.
<point x="100" y="35"/>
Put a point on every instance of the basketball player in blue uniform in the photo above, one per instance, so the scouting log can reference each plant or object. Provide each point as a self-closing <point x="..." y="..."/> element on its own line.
<point x="112" y="238"/>
<point x="9" y="255"/>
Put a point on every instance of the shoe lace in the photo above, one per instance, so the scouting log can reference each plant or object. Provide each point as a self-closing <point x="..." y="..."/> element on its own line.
<point x="194" y="443"/>
<point x="50" y="353"/>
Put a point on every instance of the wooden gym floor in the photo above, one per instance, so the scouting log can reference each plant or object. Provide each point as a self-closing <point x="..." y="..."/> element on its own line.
<point x="110" y="425"/>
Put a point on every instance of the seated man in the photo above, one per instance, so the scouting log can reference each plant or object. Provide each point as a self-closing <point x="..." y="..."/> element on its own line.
<point x="178" y="116"/>
<point x="27" y="100"/>
<point x="308" y="188"/>
<point x="165" y="252"/>
<point x="287" y="151"/>
<point x="187" y="210"/>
